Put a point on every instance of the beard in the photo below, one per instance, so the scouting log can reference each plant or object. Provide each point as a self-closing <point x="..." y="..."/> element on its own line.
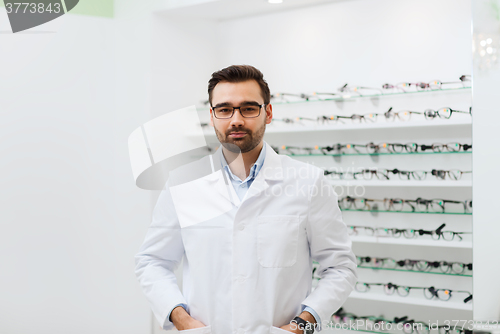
<point x="241" y="145"/>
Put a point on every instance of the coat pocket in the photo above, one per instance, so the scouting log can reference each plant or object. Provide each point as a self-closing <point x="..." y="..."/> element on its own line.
<point x="277" y="240"/>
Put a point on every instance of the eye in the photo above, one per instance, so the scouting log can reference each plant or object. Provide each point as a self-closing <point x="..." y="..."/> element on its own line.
<point x="225" y="110"/>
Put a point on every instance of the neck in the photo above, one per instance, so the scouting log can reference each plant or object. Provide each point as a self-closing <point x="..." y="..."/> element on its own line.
<point x="240" y="164"/>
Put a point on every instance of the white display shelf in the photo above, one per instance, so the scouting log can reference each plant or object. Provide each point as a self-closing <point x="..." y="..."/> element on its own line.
<point x="271" y="129"/>
<point x="414" y="300"/>
<point x="411" y="242"/>
<point x="353" y="97"/>
<point x="401" y="183"/>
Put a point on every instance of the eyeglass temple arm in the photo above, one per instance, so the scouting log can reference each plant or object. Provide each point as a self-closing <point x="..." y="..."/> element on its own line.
<point x="411" y="205"/>
<point x="342" y="89"/>
<point x="463" y="112"/>
<point x="398" y="320"/>
<point x="433" y="291"/>
<point x="440" y="228"/>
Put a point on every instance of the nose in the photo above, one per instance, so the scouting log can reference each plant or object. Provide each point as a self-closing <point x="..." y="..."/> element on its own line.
<point x="237" y="119"/>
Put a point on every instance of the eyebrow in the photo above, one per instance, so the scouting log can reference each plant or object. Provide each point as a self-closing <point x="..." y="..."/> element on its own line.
<point x="227" y="104"/>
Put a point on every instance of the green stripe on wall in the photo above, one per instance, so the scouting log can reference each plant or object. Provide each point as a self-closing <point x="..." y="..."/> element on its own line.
<point x="102" y="8"/>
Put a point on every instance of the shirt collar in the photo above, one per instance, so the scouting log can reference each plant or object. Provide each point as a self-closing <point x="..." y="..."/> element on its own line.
<point x="254" y="170"/>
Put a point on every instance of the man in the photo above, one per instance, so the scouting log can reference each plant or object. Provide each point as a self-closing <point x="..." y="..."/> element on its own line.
<point x="247" y="267"/>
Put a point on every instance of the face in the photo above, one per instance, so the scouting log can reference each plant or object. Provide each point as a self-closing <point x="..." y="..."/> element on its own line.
<point x="239" y="134"/>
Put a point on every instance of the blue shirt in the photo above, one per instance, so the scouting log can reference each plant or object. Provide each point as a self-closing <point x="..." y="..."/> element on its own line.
<point x="241" y="188"/>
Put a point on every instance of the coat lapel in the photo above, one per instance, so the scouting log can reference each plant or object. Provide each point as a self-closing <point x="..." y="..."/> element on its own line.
<point x="272" y="170"/>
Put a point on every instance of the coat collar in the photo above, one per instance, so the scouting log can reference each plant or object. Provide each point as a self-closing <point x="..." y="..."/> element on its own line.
<point x="271" y="170"/>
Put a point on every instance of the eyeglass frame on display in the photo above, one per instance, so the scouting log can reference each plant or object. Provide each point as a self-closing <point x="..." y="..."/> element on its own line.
<point x="434" y="293"/>
<point x="409" y="264"/>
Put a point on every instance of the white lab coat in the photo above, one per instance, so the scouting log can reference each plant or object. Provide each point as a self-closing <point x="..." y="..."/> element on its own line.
<point x="247" y="265"/>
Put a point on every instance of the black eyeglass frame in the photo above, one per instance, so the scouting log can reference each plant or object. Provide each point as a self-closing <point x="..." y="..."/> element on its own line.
<point x="234" y="108"/>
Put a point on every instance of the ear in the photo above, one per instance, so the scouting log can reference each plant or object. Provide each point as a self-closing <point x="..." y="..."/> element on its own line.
<point x="211" y="118"/>
<point x="269" y="113"/>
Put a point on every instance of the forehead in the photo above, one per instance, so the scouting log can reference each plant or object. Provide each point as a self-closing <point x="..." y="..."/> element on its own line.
<point x="235" y="92"/>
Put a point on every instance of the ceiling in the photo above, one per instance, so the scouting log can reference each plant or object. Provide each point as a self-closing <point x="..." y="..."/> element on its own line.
<point x="231" y="9"/>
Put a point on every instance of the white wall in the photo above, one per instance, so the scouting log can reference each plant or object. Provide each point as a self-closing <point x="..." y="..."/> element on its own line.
<point x="486" y="161"/>
<point x="361" y="42"/>
<point x="72" y="218"/>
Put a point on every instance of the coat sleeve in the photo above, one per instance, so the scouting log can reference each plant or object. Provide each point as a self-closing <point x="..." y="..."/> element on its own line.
<point x="330" y="246"/>
<point x="158" y="257"/>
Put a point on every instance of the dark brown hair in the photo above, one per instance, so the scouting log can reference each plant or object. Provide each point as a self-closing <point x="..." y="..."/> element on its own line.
<point x="239" y="73"/>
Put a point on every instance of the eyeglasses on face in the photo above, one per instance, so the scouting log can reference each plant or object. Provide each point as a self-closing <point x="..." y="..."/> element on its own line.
<point x="249" y="110"/>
